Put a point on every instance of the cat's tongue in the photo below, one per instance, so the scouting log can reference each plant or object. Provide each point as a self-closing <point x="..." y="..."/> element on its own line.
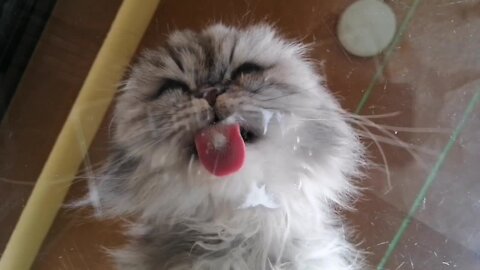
<point x="221" y="149"/>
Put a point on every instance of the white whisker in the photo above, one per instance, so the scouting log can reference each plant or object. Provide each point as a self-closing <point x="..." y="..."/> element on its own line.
<point x="382" y="154"/>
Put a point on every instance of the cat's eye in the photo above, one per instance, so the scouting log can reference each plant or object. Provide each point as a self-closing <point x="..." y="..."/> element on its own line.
<point x="170" y="85"/>
<point x="246" y="68"/>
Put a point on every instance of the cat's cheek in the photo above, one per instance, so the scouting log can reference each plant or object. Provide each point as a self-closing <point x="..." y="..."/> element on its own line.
<point x="128" y="133"/>
<point x="229" y="103"/>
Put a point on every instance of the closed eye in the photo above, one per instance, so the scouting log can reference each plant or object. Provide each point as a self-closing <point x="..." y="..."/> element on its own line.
<point x="171" y="85"/>
<point x="244" y="69"/>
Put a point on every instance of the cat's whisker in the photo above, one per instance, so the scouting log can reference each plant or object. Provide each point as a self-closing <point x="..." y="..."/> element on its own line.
<point x="110" y="124"/>
<point x="373" y="116"/>
<point x="399" y="128"/>
<point x="395" y="138"/>
<point x="410" y="129"/>
<point x="313" y="119"/>
<point x="278" y="97"/>
<point x="398" y="143"/>
<point x="94" y="167"/>
<point x="345" y="113"/>
<point x="382" y="154"/>
<point x="76" y="179"/>
<point x="388" y="140"/>
<point x="16" y="182"/>
<point x="190" y="163"/>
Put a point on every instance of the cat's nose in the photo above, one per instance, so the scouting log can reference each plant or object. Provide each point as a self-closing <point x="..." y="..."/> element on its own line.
<point x="210" y="94"/>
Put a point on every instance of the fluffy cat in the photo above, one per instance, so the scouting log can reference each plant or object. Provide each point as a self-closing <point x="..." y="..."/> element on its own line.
<point x="280" y="210"/>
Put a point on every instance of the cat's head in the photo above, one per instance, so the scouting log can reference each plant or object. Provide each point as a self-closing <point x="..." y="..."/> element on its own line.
<point x="293" y="128"/>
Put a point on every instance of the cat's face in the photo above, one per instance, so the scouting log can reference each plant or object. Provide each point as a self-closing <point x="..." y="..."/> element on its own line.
<point x="291" y="125"/>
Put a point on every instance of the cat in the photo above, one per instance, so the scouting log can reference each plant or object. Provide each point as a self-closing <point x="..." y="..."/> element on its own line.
<point x="278" y="208"/>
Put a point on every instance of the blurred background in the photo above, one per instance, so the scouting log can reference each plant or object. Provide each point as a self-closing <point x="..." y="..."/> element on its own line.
<point x="418" y="91"/>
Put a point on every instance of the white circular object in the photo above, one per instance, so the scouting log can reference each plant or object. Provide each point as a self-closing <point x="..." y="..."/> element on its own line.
<point x="366" y="27"/>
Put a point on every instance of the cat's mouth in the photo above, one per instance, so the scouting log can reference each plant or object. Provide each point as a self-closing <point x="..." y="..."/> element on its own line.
<point x="221" y="148"/>
<point x="248" y="136"/>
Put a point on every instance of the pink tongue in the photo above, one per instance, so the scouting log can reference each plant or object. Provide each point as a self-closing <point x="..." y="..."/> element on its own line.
<point x="221" y="149"/>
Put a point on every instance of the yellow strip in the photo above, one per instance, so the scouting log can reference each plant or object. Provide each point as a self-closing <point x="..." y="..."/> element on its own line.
<point x="77" y="133"/>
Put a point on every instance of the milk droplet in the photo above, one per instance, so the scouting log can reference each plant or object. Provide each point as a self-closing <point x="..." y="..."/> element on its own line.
<point x="266" y="117"/>
<point x="190" y="163"/>
<point x="219" y="140"/>
<point x="299" y="185"/>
